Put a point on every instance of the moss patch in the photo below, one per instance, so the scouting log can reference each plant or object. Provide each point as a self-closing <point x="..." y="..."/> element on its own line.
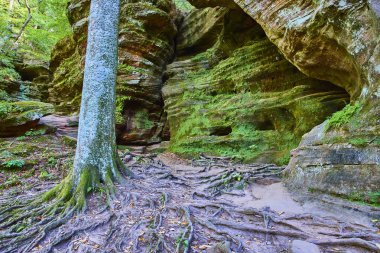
<point x="252" y="106"/>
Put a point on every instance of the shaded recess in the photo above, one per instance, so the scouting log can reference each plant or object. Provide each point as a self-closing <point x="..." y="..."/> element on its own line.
<point x="336" y="41"/>
<point x="231" y="93"/>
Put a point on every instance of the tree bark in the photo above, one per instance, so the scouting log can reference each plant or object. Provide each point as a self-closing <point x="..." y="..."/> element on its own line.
<point x="96" y="159"/>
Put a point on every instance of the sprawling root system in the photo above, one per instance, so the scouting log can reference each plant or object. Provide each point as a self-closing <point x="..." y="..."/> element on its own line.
<point x="165" y="209"/>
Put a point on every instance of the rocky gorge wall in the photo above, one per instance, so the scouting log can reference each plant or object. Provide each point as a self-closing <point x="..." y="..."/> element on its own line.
<point x="23" y="85"/>
<point x="231" y="93"/>
<point x="247" y="79"/>
<point x="336" y="41"/>
<point x="146" y="45"/>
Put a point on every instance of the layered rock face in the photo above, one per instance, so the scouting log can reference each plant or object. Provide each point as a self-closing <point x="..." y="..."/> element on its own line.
<point x="23" y="84"/>
<point x="146" y="45"/>
<point x="250" y="78"/>
<point x="336" y="41"/>
<point x="18" y="117"/>
<point x="231" y="93"/>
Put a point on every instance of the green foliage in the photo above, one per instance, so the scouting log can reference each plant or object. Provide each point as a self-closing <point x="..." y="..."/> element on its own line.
<point x="48" y="25"/>
<point x="183" y="5"/>
<point x="358" y="142"/>
<point x="120" y="101"/>
<point x="284" y="160"/>
<point x="142" y="120"/>
<point x="33" y="132"/>
<point x="374" y="197"/>
<point x="7" y="72"/>
<point x="342" y="117"/>
<point x="181" y="242"/>
<point x="52" y="161"/>
<point x="11" y="181"/>
<point x="44" y="175"/>
<point x="14" y="164"/>
<point x="5" y="109"/>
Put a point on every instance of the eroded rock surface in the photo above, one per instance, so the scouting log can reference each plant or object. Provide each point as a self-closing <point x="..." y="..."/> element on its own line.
<point x="18" y="117"/>
<point x="249" y="79"/>
<point x="146" y="45"/>
<point x="240" y="97"/>
<point x="336" y="41"/>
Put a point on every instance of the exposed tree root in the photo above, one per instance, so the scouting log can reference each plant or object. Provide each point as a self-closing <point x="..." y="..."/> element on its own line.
<point x="166" y="210"/>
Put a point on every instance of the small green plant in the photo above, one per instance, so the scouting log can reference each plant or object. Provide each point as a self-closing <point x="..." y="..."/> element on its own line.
<point x="237" y="177"/>
<point x="20" y="227"/>
<point x="5" y="109"/>
<point x="284" y="160"/>
<point x="183" y="5"/>
<point x="342" y="117"/>
<point x="143" y="121"/>
<point x="374" y="197"/>
<point x="14" y="164"/>
<point x="181" y="242"/>
<point x="44" y="175"/>
<point x="21" y="138"/>
<point x="52" y="161"/>
<point x="33" y="132"/>
<point x="358" y="142"/>
<point x="12" y="181"/>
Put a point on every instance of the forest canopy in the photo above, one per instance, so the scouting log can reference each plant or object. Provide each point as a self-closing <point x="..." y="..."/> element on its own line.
<point x="29" y="29"/>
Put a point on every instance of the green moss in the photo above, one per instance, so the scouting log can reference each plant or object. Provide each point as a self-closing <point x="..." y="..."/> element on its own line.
<point x="183" y="5"/>
<point x="67" y="83"/>
<point x="8" y="74"/>
<point x="143" y="121"/>
<point x="10" y="182"/>
<point x="120" y="102"/>
<point x="341" y="118"/>
<point x="128" y="69"/>
<point x="250" y="104"/>
<point x="44" y="175"/>
<point x="358" y="142"/>
<point x="284" y="160"/>
<point x="38" y="132"/>
<point x="69" y="141"/>
<point x="372" y="198"/>
<point x="5" y="109"/>
<point x="361" y="198"/>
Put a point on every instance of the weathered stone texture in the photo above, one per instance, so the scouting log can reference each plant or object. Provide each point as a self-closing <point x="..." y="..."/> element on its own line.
<point x="240" y="97"/>
<point x="146" y="45"/>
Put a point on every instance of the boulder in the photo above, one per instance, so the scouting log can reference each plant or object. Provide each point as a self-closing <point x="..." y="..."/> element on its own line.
<point x="18" y="117"/>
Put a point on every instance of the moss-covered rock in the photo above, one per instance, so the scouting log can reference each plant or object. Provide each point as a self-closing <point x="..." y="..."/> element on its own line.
<point x="336" y="41"/>
<point x="18" y="117"/>
<point x="241" y="98"/>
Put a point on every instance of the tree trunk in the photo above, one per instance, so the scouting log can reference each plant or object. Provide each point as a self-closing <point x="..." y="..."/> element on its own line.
<point x="96" y="159"/>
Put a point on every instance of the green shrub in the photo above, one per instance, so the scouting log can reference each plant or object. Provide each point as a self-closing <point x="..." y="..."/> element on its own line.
<point x="33" y="132"/>
<point x="44" y="175"/>
<point x="342" y="117"/>
<point x="12" y="164"/>
<point x="52" y="161"/>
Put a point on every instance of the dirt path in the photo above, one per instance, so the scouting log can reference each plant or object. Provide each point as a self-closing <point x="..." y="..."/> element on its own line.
<point x="207" y="206"/>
